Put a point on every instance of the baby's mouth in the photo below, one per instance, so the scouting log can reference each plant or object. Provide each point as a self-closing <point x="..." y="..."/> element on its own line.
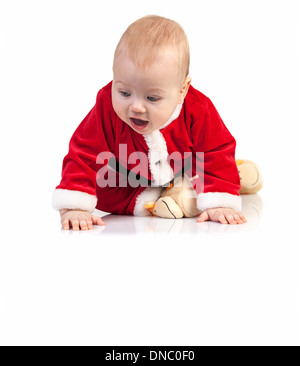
<point x="139" y="124"/>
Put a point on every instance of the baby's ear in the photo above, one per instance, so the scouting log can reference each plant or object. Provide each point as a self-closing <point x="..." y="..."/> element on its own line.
<point x="184" y="89"/>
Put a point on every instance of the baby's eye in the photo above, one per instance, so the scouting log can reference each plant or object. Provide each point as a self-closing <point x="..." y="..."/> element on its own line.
<point x="124" y="94"/>
<point x="152" y="99"/>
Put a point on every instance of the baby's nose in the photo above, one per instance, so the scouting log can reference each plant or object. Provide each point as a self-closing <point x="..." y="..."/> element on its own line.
<point x="137" y="106"/>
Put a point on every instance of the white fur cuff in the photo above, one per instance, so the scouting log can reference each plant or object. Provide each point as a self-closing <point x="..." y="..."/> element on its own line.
<point x="218" y="199"/>
<point x="64" y="198"/>
<point x="148" y="194"/>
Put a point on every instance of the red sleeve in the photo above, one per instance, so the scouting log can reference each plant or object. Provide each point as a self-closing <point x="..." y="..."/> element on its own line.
<point x="219" y="183"/>
<point x="77" y="188"/>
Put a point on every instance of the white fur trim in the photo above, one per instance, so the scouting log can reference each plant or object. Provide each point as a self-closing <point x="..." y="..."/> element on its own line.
<point x="148" y="194"/>
<point x="218" y="199"/>
<point x="161" y="171"/>
<point x="64" y="198"/>
<point x="174" y="116"/>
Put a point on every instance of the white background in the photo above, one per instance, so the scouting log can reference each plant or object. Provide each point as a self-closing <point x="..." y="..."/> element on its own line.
<point x="145" y="286"/>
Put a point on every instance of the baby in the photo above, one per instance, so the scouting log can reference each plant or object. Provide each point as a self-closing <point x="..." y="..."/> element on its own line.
<point x="119" y="156"/>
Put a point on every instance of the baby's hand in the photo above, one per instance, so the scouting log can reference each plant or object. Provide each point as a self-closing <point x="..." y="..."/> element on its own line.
<point x="79" y="219"/>
<point x="223" y="215"/>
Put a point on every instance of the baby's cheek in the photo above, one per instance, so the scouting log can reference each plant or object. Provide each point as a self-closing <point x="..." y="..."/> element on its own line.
<point x="117" y="106"/>
<point x="119" y="111"/>
<point x="165" y="114"/>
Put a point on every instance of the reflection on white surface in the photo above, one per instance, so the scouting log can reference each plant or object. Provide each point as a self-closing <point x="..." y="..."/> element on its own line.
<point x="122" y="224"/>
<point x="152" y="283"/>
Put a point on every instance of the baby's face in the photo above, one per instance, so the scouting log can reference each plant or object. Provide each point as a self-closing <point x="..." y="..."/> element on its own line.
<point x="146" y="99"/>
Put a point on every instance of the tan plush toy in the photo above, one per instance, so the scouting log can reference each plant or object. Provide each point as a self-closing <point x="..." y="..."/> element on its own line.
<point x="250" y="176"/>
<point x="177" y="201"/>
<point x="180" y="199"/>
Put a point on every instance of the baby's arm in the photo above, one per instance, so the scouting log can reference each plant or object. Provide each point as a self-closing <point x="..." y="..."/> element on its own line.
<point x="78" y="186"/>
<point x="222" y="215"/>
<point x="79" y="219"/>
<point x="218" y="183"/>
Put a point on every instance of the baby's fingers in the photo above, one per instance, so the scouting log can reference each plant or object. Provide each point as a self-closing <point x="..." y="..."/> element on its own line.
<point x="230" y="219"/>
<point x="242" y="217"/>
<point x="90" y="224"/>
<point x="222" y="219"/>
<point x="239" y="218"/>
<point x="75" y="224"/>
<point x="83" y="224"/>
<point x="65" y="224"/>
<point x="203" y="217"/>
<point x="97" y="220"/>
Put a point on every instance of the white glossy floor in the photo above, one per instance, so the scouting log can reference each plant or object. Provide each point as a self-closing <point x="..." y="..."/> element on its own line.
<point x="150" y="281"/>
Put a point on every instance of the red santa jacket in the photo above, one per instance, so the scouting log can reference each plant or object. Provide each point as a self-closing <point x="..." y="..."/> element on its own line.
<point x="106" y="168"/>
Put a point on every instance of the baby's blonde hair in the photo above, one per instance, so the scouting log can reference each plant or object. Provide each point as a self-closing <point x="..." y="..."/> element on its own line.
<point x="147" y="36"/>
